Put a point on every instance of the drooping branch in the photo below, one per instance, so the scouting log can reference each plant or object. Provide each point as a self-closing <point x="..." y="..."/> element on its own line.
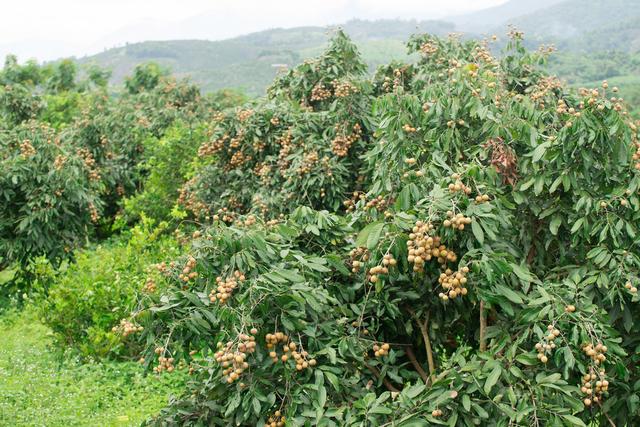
<point x="483" y="327"/>
<point x="531" y="255"/>
<point x="607" y="415"/>
<point x="385" y="381"/>
<point x="424" y="329"/>
<point x="412" y="358"/>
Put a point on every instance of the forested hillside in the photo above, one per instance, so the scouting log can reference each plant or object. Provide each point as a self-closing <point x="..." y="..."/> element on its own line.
<point x="251" y="62"/>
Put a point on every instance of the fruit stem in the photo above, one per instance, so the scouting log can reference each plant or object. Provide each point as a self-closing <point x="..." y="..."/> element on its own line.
<point x="483" y="327"/>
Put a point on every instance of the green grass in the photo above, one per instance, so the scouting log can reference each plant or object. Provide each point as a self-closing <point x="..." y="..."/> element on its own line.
<point x="41" y="388"/>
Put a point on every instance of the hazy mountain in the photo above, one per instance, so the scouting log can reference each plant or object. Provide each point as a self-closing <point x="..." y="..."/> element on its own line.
<point x="574" y="18"/>
<point x="487" y="19"/>
<point x="247" y="62"/>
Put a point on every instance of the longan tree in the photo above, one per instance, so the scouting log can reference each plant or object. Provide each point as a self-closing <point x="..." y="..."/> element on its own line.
<point x="482" y="268"/>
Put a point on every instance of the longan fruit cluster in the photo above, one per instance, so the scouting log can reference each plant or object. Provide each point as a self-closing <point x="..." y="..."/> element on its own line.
<point x="276" y="420"/>
<point x="320" y="93"/>
<point x="375" y="272"/>
<point x="342" y="89"/>
<point x="59" y="161"/>
<point x="482" y="198"/>
<point x="127" y="328"/>
<point x="90" y="163"/>
<point x="290" y="350"/>
<point x="233" y="357"/>
<point x="548" y="344"/>
<point x="225" y="215"/>
<point x="458" y="185"/>
<point x="26" y="149"/>
<point x="457" y="221"/>
<point x="436" y="413"/>
<point x="164" y="363"/>
<point x="379" y="203"/>
<point x="272" y="341"/>
<point x="596" y="353"/>
<point x="93" y="212"/>
<point x="247" y="222"/>
<point x="187" y="272"/>
<point x="454" y="283"/>
<point x="380" y="350"/>
<point x="409" y="129"/>
<point x="350" y="204"/>
<point x="149" y="286"/>
<point x="212" y="147"/>
<point x="593" y="387"/>
<point x="428" y="48"/>
<point x="225" y="287"/>
<point x="452" y="123"/>
<point x="636" y="155"/>
<point x="243" y="115"/>
<point x="570" y="308"/>
<point x="341" y="143"/>
<point x="410" y="161"/>
<point x="629" y="286"/>
<point x="359" y="256"/>
<point x="308" y="161"/>
<point x="422" y="247"/>
<point x="162" y="268"/>
<point x="275" y="121"/>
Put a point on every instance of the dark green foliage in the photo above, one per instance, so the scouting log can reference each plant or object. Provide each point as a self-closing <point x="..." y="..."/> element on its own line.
<point x="145" y="77"/>
<point x="168" y="161"/>
<point x="48" y="197"/>
<point x="18" y="104"/>
<point x="546" y="263"/>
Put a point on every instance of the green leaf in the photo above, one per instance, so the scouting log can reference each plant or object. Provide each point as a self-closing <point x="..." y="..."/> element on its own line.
<point x="555" y="224"/>
<point x="577" y="225"/>
<point x="575" y="421"/>
<point x="466" y="402"/>
<point x="7" y="275"/>
<point x="492" y="379"/>
<point x="477" y="231"/>
<point x="364" y="239"/>
<point x="510" y="294"/>
<point x="539" y="152"/>
<point x="322" y="396"/>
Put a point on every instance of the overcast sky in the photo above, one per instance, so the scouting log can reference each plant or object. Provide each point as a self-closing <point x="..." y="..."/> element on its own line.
<point x="49" y="29"/>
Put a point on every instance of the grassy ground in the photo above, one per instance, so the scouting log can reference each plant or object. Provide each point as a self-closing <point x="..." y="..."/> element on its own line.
<point x="41" y="388"/>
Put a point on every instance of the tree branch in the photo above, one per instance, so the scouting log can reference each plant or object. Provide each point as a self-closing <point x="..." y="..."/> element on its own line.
<point x="483" y="327"/>
<point x="424" y="329"/>
<point x="412" y="358"/>
<point x="606" y="415"/>
<point x="385" y="381"/>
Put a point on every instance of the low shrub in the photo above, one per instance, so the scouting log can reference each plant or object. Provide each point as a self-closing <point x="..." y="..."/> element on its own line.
<point x="168" y="162"/>
<point x="90" y="296"/>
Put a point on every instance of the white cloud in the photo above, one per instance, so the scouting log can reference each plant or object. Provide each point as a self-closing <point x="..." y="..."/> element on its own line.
<point x="48" y="29"/>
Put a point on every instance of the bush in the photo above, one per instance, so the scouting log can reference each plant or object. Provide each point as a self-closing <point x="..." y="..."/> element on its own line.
<point x="301" y="146"/>
<point x="485" y="271"/>
<point x="48" y="192"/>
<point x="92" y="295"/>
<point x="168" y="161"/>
